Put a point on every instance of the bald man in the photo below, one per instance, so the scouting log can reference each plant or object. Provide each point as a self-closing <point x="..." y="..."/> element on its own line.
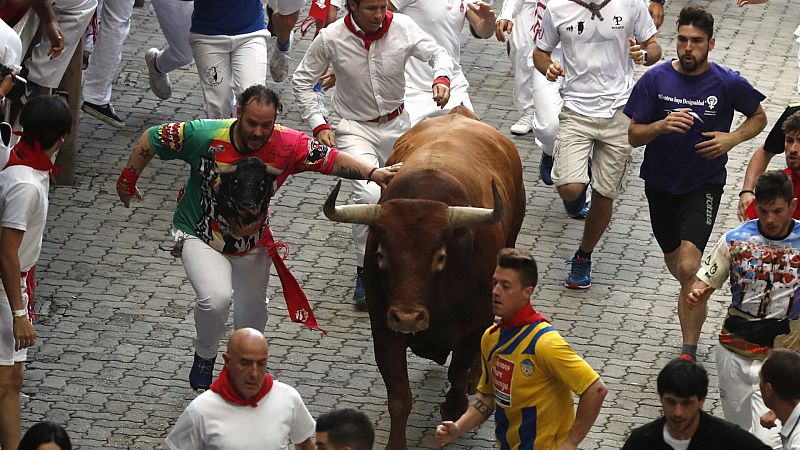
<point x="245" y="407"/>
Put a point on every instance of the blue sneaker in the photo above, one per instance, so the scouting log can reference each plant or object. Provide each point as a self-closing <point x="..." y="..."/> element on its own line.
<point x="201" y="373"/>
<point x="580" y="273"/>
<point x="359" y="295"/>
<point x="546" y="169"/>
<point x="578" y="208"/>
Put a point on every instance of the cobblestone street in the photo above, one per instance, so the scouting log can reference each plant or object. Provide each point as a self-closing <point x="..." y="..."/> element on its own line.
<point x="116" y="327"/>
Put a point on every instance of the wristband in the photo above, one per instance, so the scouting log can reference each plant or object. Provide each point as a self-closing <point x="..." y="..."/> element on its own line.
<point x="442" y="80"/>
<point x="320" y="127"/>
<point x="128" y="178"/>
<point x="369" y="176"/>
<point x="746" y="191"/>
<point x="19" y="313"/>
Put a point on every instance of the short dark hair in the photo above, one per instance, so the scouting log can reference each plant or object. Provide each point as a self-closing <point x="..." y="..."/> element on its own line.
<point x="46" y="119"/>
<point x="697" y="17"/>
<point x="683" y="378"/>
<point x="347" y="427"/>
<point x="522" y="262"/>
<point x="781" y="369"/>
<point x="772" y="185"/>
<point x="792" y="123"/>
<point x="347" y="4"/>
<point x="260" y="94"/>
<point x="44" y="433"/>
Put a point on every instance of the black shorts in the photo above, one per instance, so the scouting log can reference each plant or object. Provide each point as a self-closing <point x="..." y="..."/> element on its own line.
<point x="687" y="217"/>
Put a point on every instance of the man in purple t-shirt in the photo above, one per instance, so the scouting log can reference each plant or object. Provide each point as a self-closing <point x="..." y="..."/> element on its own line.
<point x="682" y="110"/>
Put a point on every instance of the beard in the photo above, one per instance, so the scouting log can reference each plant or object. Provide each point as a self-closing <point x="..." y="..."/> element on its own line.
<point x="691" y="64"/>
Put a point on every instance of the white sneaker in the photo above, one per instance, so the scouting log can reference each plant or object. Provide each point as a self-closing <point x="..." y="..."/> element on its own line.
<point x="279" y="62"/>
<point x="159" y="82"/>
<point x="524" y="124"/>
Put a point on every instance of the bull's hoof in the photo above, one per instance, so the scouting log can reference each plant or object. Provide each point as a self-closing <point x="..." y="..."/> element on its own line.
<point x="452" y="410"/>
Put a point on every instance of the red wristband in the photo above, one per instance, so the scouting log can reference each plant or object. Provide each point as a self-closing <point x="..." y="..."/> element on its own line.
<point x="442" y="80"/>
<point x="319" y="128"/>
<point x="128" y="178"/>
<point x="369" y="176"/>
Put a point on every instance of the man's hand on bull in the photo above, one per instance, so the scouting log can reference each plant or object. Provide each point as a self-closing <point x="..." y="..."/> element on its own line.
<point x="126" y="187"/>
<point x="441" y="94"/>
<point x="383" y="175"/>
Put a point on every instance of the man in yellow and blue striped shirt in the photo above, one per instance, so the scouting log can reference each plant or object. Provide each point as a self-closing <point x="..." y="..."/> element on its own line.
<point x="529" y="372"/>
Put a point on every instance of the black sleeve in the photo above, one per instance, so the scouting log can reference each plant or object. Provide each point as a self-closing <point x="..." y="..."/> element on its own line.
<point x="774" y="143"/>
<point x="739" y="439"/>
<point x="636" y="441"/>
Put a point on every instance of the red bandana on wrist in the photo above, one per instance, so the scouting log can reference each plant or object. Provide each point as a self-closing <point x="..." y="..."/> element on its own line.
<point x="524" y="316"/>
<point x="24" y="155"/>
<point x="369" y="38"/>
<point x="222" y="386"/>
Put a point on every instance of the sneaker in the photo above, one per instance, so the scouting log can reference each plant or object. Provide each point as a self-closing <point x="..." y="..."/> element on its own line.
<point x="688" y="357"/>
<point x="580" y="273"/>
<point x="159" y="82"/>
<point x="578" y="208"/>
<point x="359" y="295"/>
<point x="105" y="113"/>
<point x="85" y="59"/>
<point x="279" y="62"/>
<point x="546" y="169"/>
<point x="201" y="373"/>
<point x="524" y="124"/>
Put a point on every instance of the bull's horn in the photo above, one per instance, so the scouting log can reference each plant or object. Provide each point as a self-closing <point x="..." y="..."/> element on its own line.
<point x="468" y="216"/>
<point x="363" y="214"/>
<point x="272" y="170"/>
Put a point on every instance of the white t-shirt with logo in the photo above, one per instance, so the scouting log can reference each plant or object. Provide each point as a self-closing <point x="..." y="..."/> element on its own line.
<point x="596" y="59"/>
<point x="23" y="206"/>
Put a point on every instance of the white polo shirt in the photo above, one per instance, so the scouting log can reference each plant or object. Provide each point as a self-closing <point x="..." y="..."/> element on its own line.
<point x="790" y="432"/>
<point x="23" y="206"/>
<point x="599" y="70"/>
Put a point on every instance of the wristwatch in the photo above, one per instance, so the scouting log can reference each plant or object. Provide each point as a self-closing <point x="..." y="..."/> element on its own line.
<point x="19" y="313"/>
<point x="644" y="56"/>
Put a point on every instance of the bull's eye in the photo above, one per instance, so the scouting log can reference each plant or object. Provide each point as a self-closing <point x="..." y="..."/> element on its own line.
<point x="439" y="260"/>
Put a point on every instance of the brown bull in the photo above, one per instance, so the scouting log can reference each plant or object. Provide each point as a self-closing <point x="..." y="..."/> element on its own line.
<point x="434" y="236"/>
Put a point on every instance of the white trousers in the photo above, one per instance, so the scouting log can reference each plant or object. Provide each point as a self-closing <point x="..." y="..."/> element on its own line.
<point x="220" y="280"/>
<point x="420" y="104"/>
<point x="9" y="356"/>
<point x="228" y="65"/>
<point x="73" y="18"/>
<point x="115" y="22"/>
<point x="175" y="19"/>
<point x="548" y="103"/>
<point x="522" y="56"/>
<point x="371" y="143"/>
<point x="740" y="395"/>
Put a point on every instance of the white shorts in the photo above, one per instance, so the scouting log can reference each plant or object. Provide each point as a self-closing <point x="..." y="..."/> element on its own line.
<point x="9" y="356"/>
<point x="740" y="395"/>
<point x="286" y="7"/>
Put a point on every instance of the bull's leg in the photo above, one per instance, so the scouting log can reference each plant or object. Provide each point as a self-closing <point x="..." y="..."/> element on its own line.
<point x="462" y="374"/>
<point x="390" y="355"/>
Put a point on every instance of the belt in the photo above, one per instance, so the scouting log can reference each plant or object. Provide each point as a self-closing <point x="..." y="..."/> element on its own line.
<point x="741" y="344"/>
<point x="391" y="116"/>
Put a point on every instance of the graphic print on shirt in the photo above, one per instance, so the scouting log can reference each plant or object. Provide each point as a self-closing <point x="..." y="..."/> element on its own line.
<point x="503" y="376"/>
<point x="764" y="278"/>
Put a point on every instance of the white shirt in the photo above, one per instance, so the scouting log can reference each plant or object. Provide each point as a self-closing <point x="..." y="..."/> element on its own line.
<point x="599" y="70"/>
<point x="797" y="34"/>
<point x="790" y="431"/>
<point x="511" y="8"/>
<point x="443" y="20"/>
<point x="10" y="46"/>
<point x="369" y="83"/>
<point x="210" y="422"/>
<point x="23" y="206"/>
<point x="676" y="444"/>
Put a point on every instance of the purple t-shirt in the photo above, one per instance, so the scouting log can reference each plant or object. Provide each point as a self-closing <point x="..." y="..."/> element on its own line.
<point x="671" y="163"/>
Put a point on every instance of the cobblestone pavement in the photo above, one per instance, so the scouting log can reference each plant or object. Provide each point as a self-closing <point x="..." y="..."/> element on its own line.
<point x="117" y="324"/>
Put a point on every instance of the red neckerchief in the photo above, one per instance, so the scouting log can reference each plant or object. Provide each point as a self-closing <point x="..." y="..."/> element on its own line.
<point x="24" y="155"/>
<point x="524" y="316"/>
<point x="369" y="38"/>
<point x="296" y="300"/>
<point x="222" y="386"/>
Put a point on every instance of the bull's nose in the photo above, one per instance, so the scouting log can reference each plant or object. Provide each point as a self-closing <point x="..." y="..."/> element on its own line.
<point x="408" y="320"/>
